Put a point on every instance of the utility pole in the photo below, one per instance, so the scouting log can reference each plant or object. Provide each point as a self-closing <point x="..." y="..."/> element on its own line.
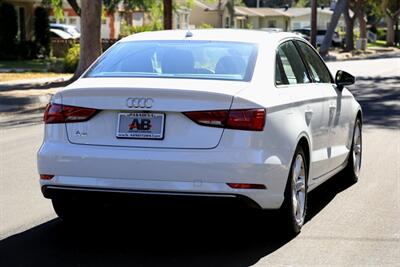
<point x="313" y="37"/>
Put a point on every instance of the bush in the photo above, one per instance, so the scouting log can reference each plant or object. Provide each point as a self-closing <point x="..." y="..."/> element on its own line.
<point x="128" y="30"/>
<point x="72" y="59"/>
<point x="8" y="31"/>
<point x="381" y="33"/>
<point x="42" y="30"/>
<point x="205" y="26"/>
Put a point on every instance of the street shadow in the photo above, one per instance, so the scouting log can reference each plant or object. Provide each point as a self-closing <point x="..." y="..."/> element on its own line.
<point x="320" y="197"/>
<point x="163" y="237"/>
<point x="379" y="98"/>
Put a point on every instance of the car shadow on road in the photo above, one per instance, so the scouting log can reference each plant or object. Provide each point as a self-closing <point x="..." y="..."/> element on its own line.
<point x="379" y="98"/>
<point x="178" y="237"/>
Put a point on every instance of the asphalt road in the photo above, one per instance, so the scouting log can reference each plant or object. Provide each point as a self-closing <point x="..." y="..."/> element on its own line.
<point x="356" y="225"/>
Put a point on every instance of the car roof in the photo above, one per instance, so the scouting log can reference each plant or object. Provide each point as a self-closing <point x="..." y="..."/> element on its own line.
<point x="61" y="33"/>
<point x="61" y="25"/>
<point x="232" y="35"/>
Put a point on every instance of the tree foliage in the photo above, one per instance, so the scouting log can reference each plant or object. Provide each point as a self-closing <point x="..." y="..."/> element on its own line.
<point x="8" y="30"/>
<point x="391" y="10"/>
<point x="42" y="30"/>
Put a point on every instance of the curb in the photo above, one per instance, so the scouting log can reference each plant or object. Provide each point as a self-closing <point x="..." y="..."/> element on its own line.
<point x="20" y="103"/>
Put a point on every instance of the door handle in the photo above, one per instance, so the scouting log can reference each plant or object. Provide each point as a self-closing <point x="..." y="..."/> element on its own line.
<point x="308" y="113"/>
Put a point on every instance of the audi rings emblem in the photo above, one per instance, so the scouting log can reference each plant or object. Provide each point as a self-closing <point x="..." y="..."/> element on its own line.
<point x="139" y="102"/>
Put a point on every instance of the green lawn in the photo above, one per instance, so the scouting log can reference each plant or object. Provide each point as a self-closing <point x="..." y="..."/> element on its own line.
<point x="379" y="43"/>
<point x="35" y="65"/>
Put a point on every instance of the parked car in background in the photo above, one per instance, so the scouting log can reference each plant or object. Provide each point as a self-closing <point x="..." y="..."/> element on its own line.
<point x="271" y="29"/>
<point x="336" y="39"/>
<point x="69" y="29"/>
<point x="56" y="33"/>
<point x="219" y="114"/>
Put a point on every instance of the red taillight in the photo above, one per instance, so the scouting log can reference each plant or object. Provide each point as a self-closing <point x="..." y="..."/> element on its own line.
<point x="46" y="176"/>
<point x="246" y="186"/>
<point x="57" y="113"/>
<point x="240" y="119"/>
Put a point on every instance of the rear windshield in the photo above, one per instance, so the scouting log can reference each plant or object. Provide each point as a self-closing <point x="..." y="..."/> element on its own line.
<point x="178" y="59"/>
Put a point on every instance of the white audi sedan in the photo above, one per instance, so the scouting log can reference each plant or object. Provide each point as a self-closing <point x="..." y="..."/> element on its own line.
<point x="224" y="114"/>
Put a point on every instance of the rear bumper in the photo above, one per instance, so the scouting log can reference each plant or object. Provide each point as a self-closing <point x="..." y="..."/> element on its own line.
<point x="163" y="172"/>
<point x="148" y="197"/>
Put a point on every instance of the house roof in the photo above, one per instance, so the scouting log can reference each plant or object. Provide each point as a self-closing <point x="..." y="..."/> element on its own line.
<point x="210" y="5"/>
<point x="260" y="12"/>
<point x="301" y="11"/>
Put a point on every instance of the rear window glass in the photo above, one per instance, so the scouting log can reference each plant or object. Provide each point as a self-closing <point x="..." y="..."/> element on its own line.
<point x="178" y="59"/>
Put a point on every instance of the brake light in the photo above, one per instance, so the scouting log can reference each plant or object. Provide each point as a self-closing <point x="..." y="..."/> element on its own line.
<point x="246" y="186"/>
<point x="240" y="119"/>
<point x="57" y="113"/>
<point x="46" y="176"/>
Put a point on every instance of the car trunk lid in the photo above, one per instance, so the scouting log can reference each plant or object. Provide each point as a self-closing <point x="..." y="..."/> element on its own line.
<point x="118" y="100"/>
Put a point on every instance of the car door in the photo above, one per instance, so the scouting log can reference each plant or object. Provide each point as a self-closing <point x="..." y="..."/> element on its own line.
<point x="335" y="122"/>
<point x="293" y="81"/>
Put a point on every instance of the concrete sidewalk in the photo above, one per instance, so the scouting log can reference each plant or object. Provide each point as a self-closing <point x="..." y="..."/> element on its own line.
<point x="32" y="82"/>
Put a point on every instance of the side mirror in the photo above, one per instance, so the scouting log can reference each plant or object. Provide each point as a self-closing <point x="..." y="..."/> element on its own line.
<point x="343" y="78"/>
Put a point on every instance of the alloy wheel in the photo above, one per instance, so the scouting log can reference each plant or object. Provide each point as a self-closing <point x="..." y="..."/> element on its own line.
<point x="299" y="189"/>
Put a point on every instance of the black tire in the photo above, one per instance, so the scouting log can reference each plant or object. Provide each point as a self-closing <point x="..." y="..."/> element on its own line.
<point x="350" y="172"/>
<point x="295" y="222"/>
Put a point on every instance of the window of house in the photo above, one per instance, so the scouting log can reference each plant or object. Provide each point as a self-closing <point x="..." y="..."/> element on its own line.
<point x="186" y="18"/>
<point x="290" y="67"/>
<point x="271" y="23"/>
<point x="73" y="21"/>
<point x="227" y="22"/>
<point x="178" y="21"/>
<point x="138" y="19"/>
<point x="296" y="25"/>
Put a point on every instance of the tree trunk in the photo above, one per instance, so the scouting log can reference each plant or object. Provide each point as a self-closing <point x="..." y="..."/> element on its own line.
<point x="349" y="31"/>
<point x="363" y="24"/>
<point x="90" y="45"/>
<point x="167" y="14"/>
<point x="390" y="31"/>
<point x="339" y="9"/>
<point x="112" y="26"/>
<point x="220" y="15"/>
<point x="313" y="36"/>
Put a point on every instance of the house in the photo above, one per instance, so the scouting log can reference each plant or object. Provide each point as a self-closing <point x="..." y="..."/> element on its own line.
<point x="25" y="14"/>
<point x="263" y="17"/>
<point x="110" y="23"/>
<point x="203" y="12"/>
<point x="301" y="17"/>
<point x="287" y="19"/>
